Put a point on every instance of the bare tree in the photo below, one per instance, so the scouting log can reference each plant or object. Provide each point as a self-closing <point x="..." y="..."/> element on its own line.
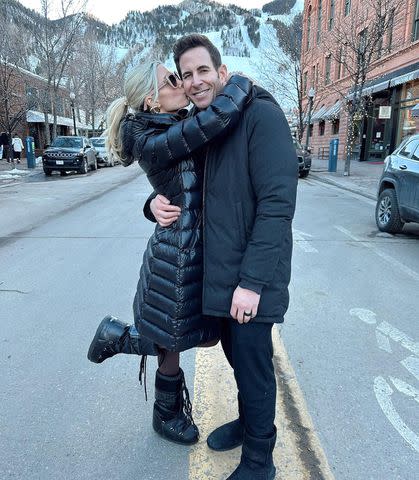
<point x="12" y="82"/>
<point x="358" y="37"/>
<point x="55" y="46"/>
<point x="95" y="76"/>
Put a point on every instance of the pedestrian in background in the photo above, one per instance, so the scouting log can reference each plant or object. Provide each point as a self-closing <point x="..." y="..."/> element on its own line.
<point x="17" y="146"/>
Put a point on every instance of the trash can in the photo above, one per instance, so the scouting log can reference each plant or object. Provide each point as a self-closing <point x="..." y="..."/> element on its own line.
<point x="333" y="154"/>
<point x="30" y="152"/>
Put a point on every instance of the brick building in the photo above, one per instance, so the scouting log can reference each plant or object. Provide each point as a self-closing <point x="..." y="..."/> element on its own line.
<point x="392" y="86"/>
<point x="29" y="90"/>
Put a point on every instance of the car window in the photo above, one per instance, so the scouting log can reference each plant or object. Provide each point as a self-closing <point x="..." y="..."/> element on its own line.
<point x="67" y="142"/>
<point x="409" y="148"/>
<point x="415" y="155"/>
<point x="98" y="142"/>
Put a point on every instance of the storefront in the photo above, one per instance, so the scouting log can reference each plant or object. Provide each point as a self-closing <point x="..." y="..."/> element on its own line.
<point x="406" y="124"/>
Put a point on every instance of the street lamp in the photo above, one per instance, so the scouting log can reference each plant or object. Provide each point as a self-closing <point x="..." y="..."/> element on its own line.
<point x="310" y="95"/>
<point x="72" y="97"/>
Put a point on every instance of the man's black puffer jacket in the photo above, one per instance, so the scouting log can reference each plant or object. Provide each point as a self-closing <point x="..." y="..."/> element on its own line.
<point x="168" y="301"/>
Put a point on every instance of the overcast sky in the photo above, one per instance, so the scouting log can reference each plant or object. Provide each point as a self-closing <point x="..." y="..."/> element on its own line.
<point x="110" y="13"/>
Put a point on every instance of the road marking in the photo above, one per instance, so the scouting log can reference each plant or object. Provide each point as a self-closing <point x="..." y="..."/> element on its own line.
<point x="399" y="337"/>
<point x="392" y="261"/>
<point x="300" y="239"/>
<point x="298" y="453"/>
<point x="405" y="388"/>
<point x="383" y="342"/>
<point x="383" y="393"/>
<point x="367" y="316"/>
<point x="412" y="365"/>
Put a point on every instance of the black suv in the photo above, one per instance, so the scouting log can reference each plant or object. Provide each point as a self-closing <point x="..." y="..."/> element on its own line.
<point x="304" y="159"/>
<point x="69" y="153"/>
<point x="398" y="191"/>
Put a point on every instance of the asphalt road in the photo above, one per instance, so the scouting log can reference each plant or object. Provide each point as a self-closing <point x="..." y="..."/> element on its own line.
<point x="70" y="251"/>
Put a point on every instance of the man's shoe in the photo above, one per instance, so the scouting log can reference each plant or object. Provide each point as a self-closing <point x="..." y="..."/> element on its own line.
<point x="172" y="414"/>
<point x="226" y="437"/>
<point x="256" y="462"/>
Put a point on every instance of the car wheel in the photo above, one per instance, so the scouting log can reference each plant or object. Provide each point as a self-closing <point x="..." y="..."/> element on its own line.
<point x="387" y="214"/>
<point x="84" y="167"/>
<point x="47" y="172"/>
<point x="304" y="173"/>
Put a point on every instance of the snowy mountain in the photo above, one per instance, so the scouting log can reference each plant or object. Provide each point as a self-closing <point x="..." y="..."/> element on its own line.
<point x="241" y="35"/>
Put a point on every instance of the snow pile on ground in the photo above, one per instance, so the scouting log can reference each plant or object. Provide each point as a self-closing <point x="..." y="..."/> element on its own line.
<point x="15" y="173"/>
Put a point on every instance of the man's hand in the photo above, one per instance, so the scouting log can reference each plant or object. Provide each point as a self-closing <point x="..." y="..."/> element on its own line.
<point x="163" y="212"/>
<point x="244" y="301"/>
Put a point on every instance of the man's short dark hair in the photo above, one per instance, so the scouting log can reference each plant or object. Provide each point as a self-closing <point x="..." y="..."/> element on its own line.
<point x="192" y="41"/>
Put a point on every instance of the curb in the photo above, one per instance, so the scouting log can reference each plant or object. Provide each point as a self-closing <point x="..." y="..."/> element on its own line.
<point x="343" y="187"/>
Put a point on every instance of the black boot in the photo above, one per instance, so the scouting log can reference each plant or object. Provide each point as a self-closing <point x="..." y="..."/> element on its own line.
<point x="113" y="336"/>
<point x="256" y="461"/>
<point x="172" y="414"/>
<point x="230" y="435"/>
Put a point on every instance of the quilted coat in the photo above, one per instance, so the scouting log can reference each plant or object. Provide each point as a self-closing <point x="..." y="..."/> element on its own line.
<point x="168" y="301"/>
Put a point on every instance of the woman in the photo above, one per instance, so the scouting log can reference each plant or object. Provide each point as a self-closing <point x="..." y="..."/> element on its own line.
<point x="167" y="305"/>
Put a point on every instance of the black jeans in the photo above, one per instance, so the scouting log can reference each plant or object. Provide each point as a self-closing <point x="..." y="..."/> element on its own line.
<point x="248" y="348"/>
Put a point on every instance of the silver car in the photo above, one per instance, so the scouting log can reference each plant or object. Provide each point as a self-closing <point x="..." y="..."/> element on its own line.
<point x="398" y="191"/>
<point x="104" y="158"/>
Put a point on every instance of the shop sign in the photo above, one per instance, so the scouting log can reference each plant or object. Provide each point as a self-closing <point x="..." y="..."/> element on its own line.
<point x="384" y="113"/>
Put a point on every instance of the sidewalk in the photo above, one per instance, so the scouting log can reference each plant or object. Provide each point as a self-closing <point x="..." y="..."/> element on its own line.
<point x="363" y="179"/>
<point x="18" y="172"/>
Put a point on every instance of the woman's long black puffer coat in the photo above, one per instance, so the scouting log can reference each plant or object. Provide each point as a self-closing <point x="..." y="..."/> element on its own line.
<point x="167" y="304"/>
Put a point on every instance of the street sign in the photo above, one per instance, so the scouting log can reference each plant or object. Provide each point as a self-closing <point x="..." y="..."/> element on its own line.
<point x="384" y="113"/>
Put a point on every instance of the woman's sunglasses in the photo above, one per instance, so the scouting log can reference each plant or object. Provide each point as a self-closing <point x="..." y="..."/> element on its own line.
<point x="171" y="79"/>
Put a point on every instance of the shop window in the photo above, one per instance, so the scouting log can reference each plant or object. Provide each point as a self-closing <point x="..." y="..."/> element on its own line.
<point x="415" y="32"/>
<point x="322" y="125"/>
<point x="335" y="126"/>
<point x="347" y="7"/>
<point x="332" y="14"/>
<point x="319" y="21"/>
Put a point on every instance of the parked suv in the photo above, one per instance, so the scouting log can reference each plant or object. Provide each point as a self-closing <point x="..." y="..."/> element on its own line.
<point x="104" y="158"/>
<point x="304" y="159"/>
<point x="398" y="191"/>
<point x="69" y="153"/>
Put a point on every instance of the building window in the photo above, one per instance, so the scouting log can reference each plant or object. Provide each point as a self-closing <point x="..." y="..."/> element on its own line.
<point x="327" y="69"/>
<point x="32" y="98"/>
<point x="390" y="27"/>
<point x="305" y="83"/>
<point x="363" y="37"/>
<point x="332" y="14"/>
<point x="340" y="63"/>
<point x="310" y="131"/>
<point x="313" y="76"/>
<point x="416" y="23"/>
<point x="335" y="126"/>
<point x="308" y="28"/>
<point x="347" y="7"/>
<point x="321" y="128"/>
<point x="317" y="74"/>
<point x="319" y="21"/>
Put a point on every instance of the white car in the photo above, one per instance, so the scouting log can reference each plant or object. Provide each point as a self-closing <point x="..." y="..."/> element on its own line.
<point x="104" y="158"/>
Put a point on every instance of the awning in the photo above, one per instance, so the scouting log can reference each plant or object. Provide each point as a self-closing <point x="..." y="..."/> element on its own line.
<point x="319" y="114"/>
<point x="407" y="77"/>
<point x="32" y="116"/>
<point x="415" y="111"/>
<point x="333" y="112"/>
<point x="370" y="89"/>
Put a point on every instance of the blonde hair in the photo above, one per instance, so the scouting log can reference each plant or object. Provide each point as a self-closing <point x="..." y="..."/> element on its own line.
<point x="139" y="83"/>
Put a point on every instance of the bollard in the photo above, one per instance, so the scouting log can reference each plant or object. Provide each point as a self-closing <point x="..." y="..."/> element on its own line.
<point x="333" y="154"/>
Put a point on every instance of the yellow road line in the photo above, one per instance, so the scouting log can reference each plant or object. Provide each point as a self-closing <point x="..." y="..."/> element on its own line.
<point x="298" y="454"/>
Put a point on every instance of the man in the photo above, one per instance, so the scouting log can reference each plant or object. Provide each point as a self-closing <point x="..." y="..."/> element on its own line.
<point x="249" y="201"/>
